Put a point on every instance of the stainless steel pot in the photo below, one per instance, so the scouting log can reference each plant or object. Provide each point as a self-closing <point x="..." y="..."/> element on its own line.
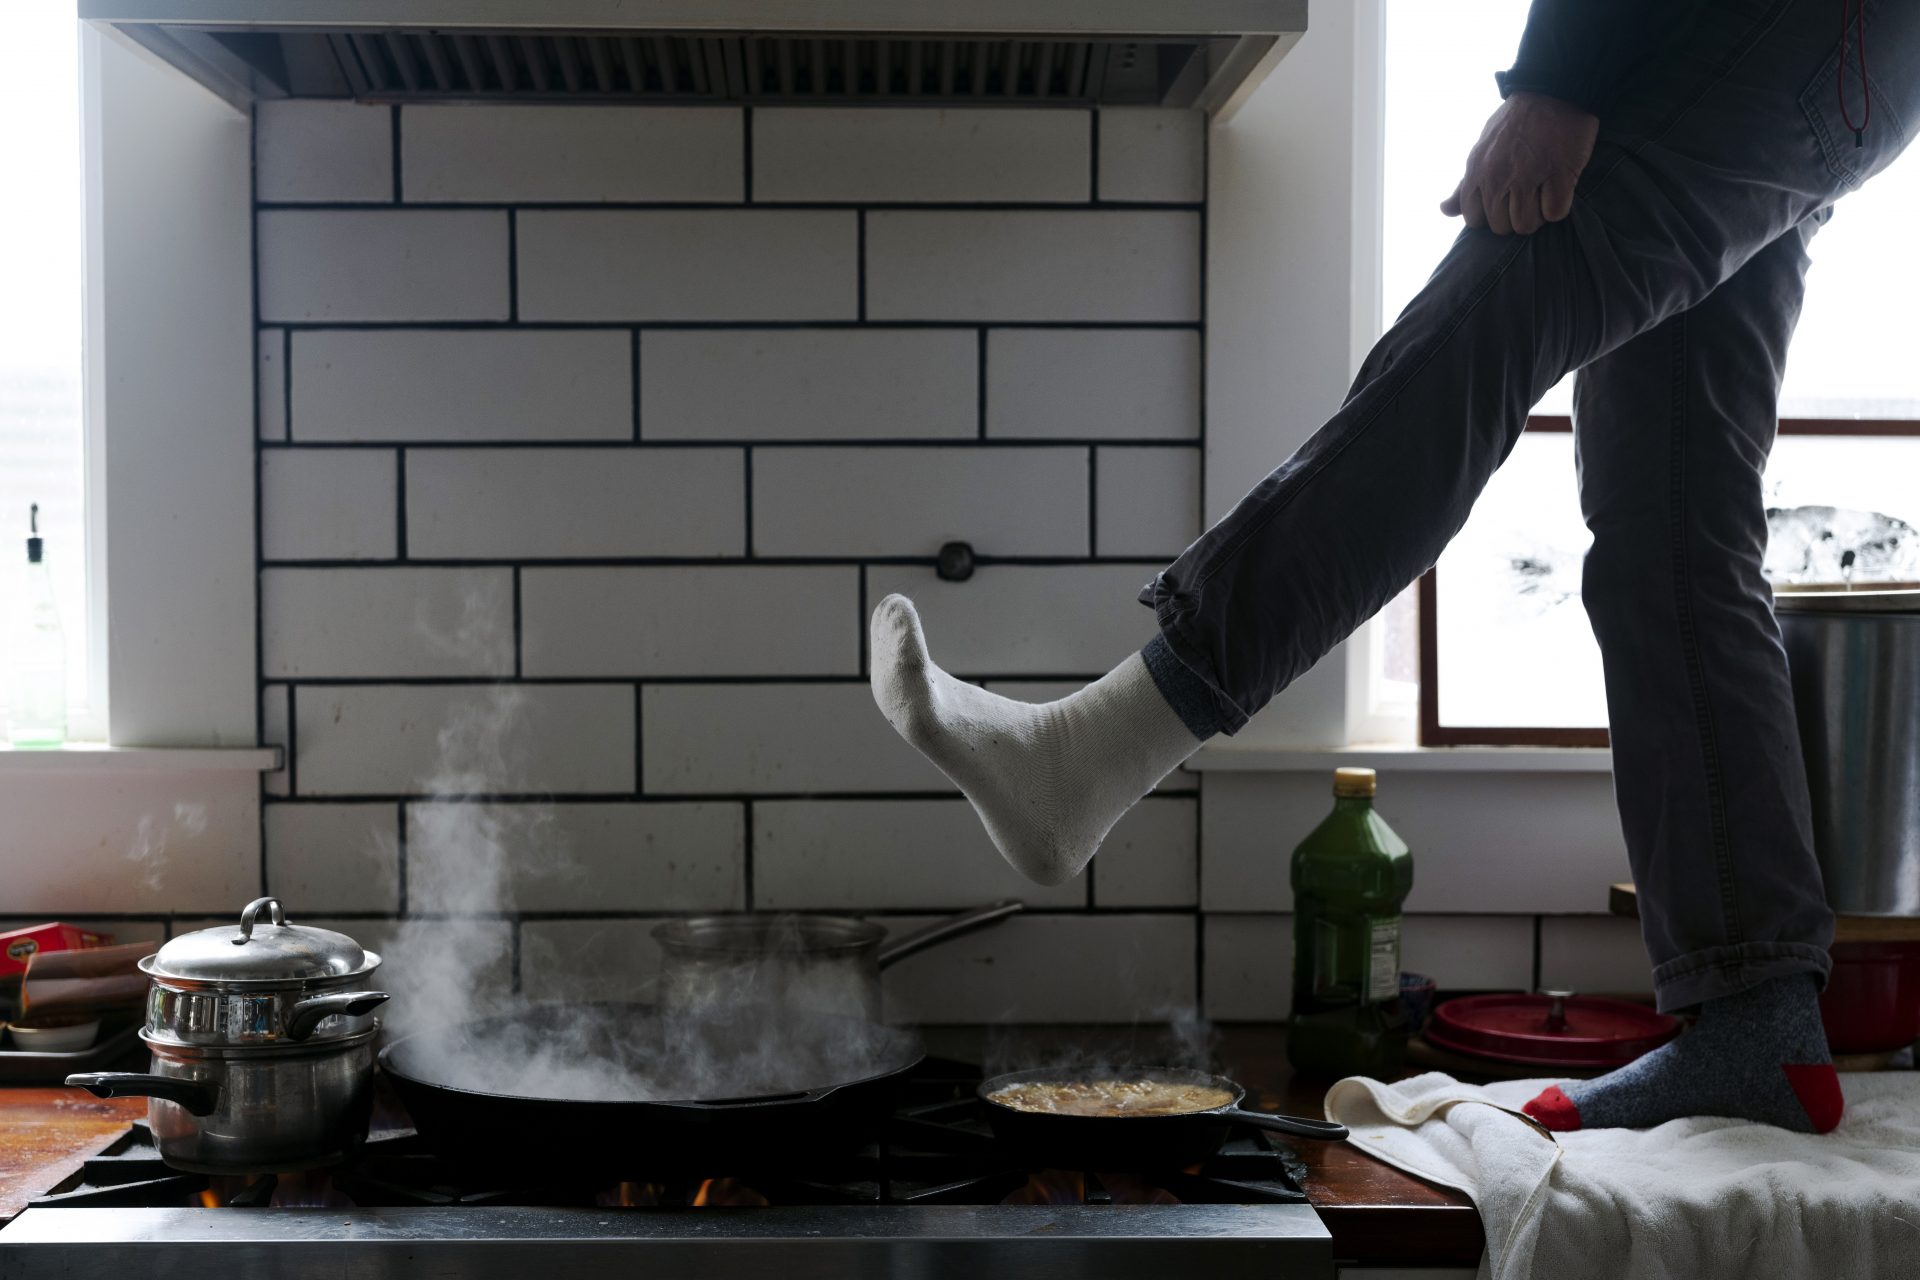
<point x="262" y="1042"/>
<point x="1855" y="658"/>
<point x="828" y="963"/>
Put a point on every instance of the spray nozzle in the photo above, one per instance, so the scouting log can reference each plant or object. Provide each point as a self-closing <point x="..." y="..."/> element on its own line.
<point x="36" y="545"/>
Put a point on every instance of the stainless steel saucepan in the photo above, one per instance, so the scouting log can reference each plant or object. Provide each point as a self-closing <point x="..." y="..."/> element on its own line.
<point x="827" y="963"/>
<point x="262" y="1040"/>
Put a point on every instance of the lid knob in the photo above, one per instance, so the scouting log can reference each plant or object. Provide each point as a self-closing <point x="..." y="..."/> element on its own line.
<point x="1557" y="1009"/>
<point x="251" y="912"/>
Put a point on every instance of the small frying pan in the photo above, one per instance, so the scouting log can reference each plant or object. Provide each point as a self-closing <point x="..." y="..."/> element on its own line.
<point x="1128" y="1143"/>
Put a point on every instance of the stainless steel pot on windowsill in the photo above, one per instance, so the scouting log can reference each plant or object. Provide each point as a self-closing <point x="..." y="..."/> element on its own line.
<point x="1855" y="657"/>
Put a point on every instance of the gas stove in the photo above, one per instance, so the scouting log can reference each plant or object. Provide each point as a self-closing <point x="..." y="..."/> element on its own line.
<point x="936" y="1197"/>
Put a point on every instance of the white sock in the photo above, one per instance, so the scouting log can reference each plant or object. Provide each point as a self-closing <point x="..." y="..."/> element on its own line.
<point x="1048" y="780"/>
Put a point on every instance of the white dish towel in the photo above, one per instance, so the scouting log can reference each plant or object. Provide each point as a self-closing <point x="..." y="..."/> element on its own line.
<point x="1689" y="1200"/>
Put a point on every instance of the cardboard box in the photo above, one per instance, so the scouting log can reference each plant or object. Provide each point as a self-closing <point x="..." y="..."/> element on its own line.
<point x="20" y="945"/>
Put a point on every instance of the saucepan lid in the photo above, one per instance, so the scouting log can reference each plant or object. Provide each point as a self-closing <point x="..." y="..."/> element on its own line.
<point x="1549" y="1029"/>
<point x="256" y="952"/>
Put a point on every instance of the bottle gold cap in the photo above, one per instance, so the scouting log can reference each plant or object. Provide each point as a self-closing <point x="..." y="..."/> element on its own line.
<point x="1353" y="782"/>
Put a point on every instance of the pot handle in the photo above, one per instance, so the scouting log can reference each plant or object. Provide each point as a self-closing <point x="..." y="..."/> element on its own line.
<point x="1297" y="1126"/>
<point x="196" y="1098"/>
<point x="941" y="930"/>
<point x="308" y="1013"/>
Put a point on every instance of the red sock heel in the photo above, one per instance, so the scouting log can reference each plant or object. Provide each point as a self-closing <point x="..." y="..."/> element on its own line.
<point x="1818" y="1088"/>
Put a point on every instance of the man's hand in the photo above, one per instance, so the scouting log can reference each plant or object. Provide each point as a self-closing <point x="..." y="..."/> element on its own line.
<point x="1521" y="173"/>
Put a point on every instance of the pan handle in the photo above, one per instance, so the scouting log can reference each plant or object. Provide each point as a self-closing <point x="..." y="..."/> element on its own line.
<point x="952" y="927"/>
<point x="196" y="1098"/>
<point x="309" y="1013"/>
<point x="1297" y="1126"/>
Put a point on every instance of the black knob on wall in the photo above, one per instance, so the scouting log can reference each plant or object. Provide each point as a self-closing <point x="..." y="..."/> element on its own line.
<point x="956" y="562"/>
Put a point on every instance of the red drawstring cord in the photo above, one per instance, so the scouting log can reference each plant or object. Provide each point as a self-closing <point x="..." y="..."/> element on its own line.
<point x="1840" y="77"/>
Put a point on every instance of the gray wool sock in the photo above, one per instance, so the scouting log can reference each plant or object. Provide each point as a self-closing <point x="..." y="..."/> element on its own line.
<point x="1759" y="1054"/>
<point x="1048" y="780"/>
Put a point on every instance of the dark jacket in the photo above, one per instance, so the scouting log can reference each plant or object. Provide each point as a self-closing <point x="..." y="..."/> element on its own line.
<point x="1586" y="51"/>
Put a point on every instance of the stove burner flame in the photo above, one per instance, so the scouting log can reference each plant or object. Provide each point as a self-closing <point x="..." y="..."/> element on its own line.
<point x="726" y="1191"/>
<point x="1051" y="1186"/>
<point x="1067" y="1186"/>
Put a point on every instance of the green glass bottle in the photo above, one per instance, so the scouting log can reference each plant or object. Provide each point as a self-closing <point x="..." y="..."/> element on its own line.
<point x="1349" y="878"/>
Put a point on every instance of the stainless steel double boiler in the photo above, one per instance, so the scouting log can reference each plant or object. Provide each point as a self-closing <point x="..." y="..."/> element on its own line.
<point x="262" y="1039"/>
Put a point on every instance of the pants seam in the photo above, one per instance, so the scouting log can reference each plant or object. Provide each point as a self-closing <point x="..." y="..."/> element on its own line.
<point x="1679" y="528"/>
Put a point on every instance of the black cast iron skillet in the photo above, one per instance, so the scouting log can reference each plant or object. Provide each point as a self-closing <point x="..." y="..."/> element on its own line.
<point x="1129" y="1143"/>
<point x="555" y="1138"/>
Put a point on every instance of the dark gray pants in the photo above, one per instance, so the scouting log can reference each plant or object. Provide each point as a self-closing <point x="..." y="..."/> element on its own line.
<point x="1673" y="287"/>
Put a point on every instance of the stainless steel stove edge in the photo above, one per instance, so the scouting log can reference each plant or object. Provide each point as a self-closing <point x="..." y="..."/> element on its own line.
<point x="1008" y="1242"/>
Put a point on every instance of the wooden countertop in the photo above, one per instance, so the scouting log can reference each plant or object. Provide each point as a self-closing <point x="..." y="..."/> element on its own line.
<point x="46" y="1133"/>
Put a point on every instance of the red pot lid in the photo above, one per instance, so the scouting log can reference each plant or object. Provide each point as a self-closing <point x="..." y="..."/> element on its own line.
<point x="1589" y="1031"/>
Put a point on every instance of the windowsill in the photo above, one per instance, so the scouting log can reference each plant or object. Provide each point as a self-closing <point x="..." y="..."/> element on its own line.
<point x="99" y="758"/>
<point x="1403" y="759"/>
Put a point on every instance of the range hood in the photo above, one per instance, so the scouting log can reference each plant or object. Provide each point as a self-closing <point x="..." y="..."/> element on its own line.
<point x="1182" y="53"/>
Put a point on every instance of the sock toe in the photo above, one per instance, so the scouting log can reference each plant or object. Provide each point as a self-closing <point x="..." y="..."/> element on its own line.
<point x="1554" y="1109"/>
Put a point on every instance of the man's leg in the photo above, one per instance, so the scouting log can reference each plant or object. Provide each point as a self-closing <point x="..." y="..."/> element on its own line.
<point x="1673" y="431"/>
<point x="1726" y="143"/>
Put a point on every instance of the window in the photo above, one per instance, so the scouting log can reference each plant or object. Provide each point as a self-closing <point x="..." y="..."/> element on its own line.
<point x="1504" y="643"/>
<point x="42" y="437"/>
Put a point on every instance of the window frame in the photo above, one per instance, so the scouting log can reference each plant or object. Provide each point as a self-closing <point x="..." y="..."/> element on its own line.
<point x="1432" y="733"/>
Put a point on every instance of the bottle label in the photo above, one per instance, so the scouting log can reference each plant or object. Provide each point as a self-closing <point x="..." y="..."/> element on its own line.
<point x="1383" y="960"/>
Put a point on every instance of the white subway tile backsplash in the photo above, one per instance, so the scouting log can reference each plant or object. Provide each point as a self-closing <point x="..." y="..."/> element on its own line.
<point x="800" y="384"/>
<point x="386" y="623"/>
<point x="571" y="153"/>
<point x="574" y="960"/>
<point x="423" y="384"/>
<point x="691" y="264"/>
<point x="744" y="621"/>
<point x="1595" y="954"/>
<point x="674" y="856"/>
<point x="316" y="150"/>
<point x="334" y="857"/>
<point x="1146" y="501"/>
<point x="868" y="855"/>
<point x="270" y="384"/>
<point x="908" y="501"/>
<point x="1048" y="968"/>
<point x="1103" y="383"/>
<point x="1156" y="154"/>
<point x="275" y="731"/>
<point x="538" y="504"/>
<point x="901" y="155"/>
<point x="500" y="739"/>
<point x="1151" y="858"/>
<point x="1249" y="972"/>
<point x="1469" y="953"/>
<point x="329" y="504"/>
<point x="781" y="738"/>
<point x="1137" y="265"/>
<point x="336" y="265"/>
<point x="1025" y="619"/>
<point x="1482" y="842"/>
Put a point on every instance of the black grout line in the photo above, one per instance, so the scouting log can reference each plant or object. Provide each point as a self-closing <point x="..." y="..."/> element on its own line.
<point x="1536" y="954"/>
<point x="770" y="206"/>
<point x="513" y="941"/>
<point x="746" y="155"/>
<point x="293" y="756"/>
<point x="519" y="641"/>
<point x="624" y="443"/>
<point x="746" y="853"/>
<point x="395" y="143"/>
<point x="860" y="623"/>
<point x="286" y="383"/>
<point x="400" y="854"/>
<point x="633" y="375"/>
<point x="513" y="265"/>
<point x="1080" y="561"/>
<point x="1206" y="143"/>
<point x="747" y="495"/>
<point x="259" y="522"/>
<point x="400" y="503"/>
<point x="1093" y="502"/>
<point x="980" y="381"/>
<point x="639" y="739"/>
<point x="594" y="914"/>
<point x="744" y="326"/>
<point x="1093" y="159"/>
<point x="860" y="263"/>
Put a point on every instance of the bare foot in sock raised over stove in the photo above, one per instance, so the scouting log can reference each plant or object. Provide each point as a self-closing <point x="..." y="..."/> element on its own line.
<point x="1049" y="780"/>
